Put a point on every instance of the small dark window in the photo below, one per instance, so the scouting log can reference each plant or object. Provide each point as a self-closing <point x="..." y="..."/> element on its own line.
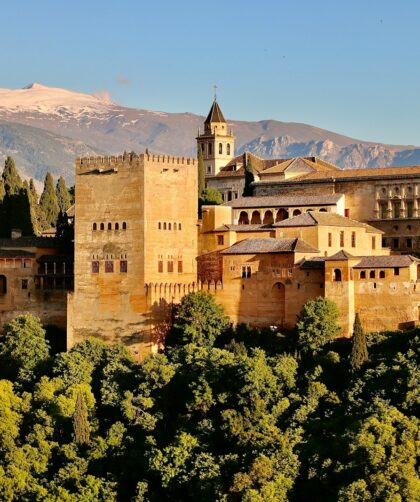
<point x="109" y="226"/>
<point x="353" y="239"/>
<point x="124" y="225"/>
<point x="117" y="226"/>
<point x="159" y="225"/>
<point x="220" y="240"/>
<point x="373" y="242"/>
<point x="169" y="226"/>
<point x="347" y="213"/>
<point x="170" y="266"/>
<point x="396" y="271"/>
<point x="409" y="242"/>
<point x="102" y="226"/>
<point x="246" y="272"/>
<point x="164" y="225"/>
<point x="109" y="266"/>
<point x="329" y="239"/>
<point x="180" y="268"/>
<point x="228" y="149"/>
<point x="179" y="226"/>
<point x="210" y="149"/>
<point x="123" y="266"/>
<point x="342" y="239"/>
<point x="337" y="275"/>
<point x="24" y="283"/>
<point x="95" y="267"/>
<point x="95" y="227"/>
<point x="362" y="274"/>
<point x="175" y="226"/>
<point x="160" y="266"/>
<point x="382" y="274"/>
<point x="372" y="274"/>
<point x="395" y="243"/>
<point x="220" y="148"/>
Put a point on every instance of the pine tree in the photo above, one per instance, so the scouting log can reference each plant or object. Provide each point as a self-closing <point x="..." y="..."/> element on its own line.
<point x="48" y="201"/>
<point x="63" y="195"/>
<point x="32" y="191"/>
<point x="2" y="190"/>
<point x="201" y="176"/>
<point x="81" y="427"/>
<point x="249" y="177"/>
<point x="359" y="353"/>
<point x="11" y="179"/>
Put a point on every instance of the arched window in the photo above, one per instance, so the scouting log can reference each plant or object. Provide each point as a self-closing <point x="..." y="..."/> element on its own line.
<point x="243" y="218"/>
<point x="268" y="218"/>
<point x="159" y="225"/>
<point x="337" y="275"/>
<point x="228" y="149"/>
<point x="3" y="285"/>
<point x="363" y="274"/>
<point x="282" y="214"/>
<point x="322" y="210"/>
<point x="175" y="226"/>
<point x="117" y="226"/>
<point x="372" y="274"/>
<point x="95" y="226"/>
<point x="220" y="148"/>
<point x="102" y="226"/>
<point x="124" y="225"/>
<point x="164" y="225"/>
<point x="169" y="226"/>
<point x="210" y="149"/>
<point x="256" y="218"/>
<point x="382" y="274"/>
<point x="179" y="226"/>
<point x="297" y="212"/>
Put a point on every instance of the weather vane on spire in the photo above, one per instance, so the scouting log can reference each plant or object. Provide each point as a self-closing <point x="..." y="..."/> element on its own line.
<point x="215" y="92"/>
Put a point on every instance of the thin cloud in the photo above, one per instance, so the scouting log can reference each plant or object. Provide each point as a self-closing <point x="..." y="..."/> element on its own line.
<point x="104" y="95"/>
<point x="123" y="80"/>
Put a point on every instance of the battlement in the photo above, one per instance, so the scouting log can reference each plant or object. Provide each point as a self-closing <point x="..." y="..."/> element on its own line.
<point x="115" y="161"/>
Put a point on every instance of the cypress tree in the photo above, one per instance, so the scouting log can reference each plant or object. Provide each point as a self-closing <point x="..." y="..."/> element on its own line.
<point x="11" y="179"/>
<point x="201" y="176"/>
<point x="249" y="177"/>
<point x="32" y="191"/>
<point x="359" y="353"/>
<point x="48" y="201"/>
<point x="2" y="190"/>
<point x="63" y="195"/>
<point x="81" y="427"/>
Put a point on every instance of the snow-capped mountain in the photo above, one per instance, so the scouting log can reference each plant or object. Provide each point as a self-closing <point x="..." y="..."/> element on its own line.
<point x="44" y="128"/>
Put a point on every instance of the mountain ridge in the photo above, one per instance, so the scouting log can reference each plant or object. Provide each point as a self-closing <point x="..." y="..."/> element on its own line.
<point x="73" y="122"/>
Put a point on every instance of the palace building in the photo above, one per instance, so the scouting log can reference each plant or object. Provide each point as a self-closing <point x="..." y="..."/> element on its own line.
<point x="311" y="229"/>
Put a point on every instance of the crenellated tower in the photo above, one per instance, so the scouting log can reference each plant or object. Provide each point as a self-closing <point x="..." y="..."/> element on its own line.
<point x="216" y="142"/>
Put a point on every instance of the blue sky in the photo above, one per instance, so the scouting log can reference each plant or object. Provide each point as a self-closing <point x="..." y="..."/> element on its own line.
<point x="351" y="67"/>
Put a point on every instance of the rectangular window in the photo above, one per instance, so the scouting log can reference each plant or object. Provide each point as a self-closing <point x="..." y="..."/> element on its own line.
<point x="160" y="266"/>
<point x="342" y="239"/>
<point x="396" y="209"/>
<point x="180" y="267"/>
<point x="410" y="209"/>
<point x="347" y="213"/>
<point x="353" y="239"/>
<point x="95" y="267"/>
<point x="396" y="271"/>
<point x="24" y="283"/>
<point x="123" y="266"/>
<point x="246" y="272"/>
<point x="384" y="211"/>
<point x="409" y="242"/>
<point x="373" y="242"/>
<point x="170" y="266"/>
<point x="329" y="239"/>
<point x="220" y="240"/>
<point x="109" y="266"/>
<point x="395" y="243"/>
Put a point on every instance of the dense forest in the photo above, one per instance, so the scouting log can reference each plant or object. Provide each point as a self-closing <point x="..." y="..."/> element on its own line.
<point x="223" y="413"/>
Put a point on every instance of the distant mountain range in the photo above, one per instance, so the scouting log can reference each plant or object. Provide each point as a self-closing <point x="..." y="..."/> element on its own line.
<point x="45" y="128"/>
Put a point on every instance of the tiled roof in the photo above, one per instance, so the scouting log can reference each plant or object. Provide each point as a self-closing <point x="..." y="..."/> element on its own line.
<point x="386" y="261"/>
<point x="270" y="245"/>
<point x="379" y="172"/>
<point x="284" y="201"/>
<point x="15" y="253"/>
<point x="340" y="256"/>
<point x="325" y="219"/>
<point x="29" y="242"/>
<point x="215" y="114"/>
<point x="315" y="263"/>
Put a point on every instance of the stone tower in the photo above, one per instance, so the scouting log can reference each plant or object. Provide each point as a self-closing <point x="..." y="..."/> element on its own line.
<point x="217" y="143"/>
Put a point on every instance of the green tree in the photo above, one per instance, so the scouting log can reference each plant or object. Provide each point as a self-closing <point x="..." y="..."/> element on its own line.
<point x="11" y="179"/>
<point x="317" y="324"/>
<point x="199" y="319"/>
<point x="63" y="195"/>
<point x="210" y="197"/>
<point x="2" y="190"/>
<point x="81" y="427"/>
<point x="48" y="201"/>
<point x="23" y="348"/>
<point x="359" y="352"/>
<point x="201" y="175"/>
<point x="249" y="177"/>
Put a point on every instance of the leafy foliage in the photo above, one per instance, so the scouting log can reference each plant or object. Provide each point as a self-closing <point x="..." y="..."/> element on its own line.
<point x="359" y="352"/>
<point x="224" y="413"/>
<point x="48" y="201"/>
<point x="63" y="195"/>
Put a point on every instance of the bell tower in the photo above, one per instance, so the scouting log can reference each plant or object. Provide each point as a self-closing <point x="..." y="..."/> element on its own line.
<point x="216" y="142"/>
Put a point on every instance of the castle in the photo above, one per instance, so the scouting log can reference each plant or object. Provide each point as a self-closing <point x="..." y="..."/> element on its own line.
<point x="311" y="229"/>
